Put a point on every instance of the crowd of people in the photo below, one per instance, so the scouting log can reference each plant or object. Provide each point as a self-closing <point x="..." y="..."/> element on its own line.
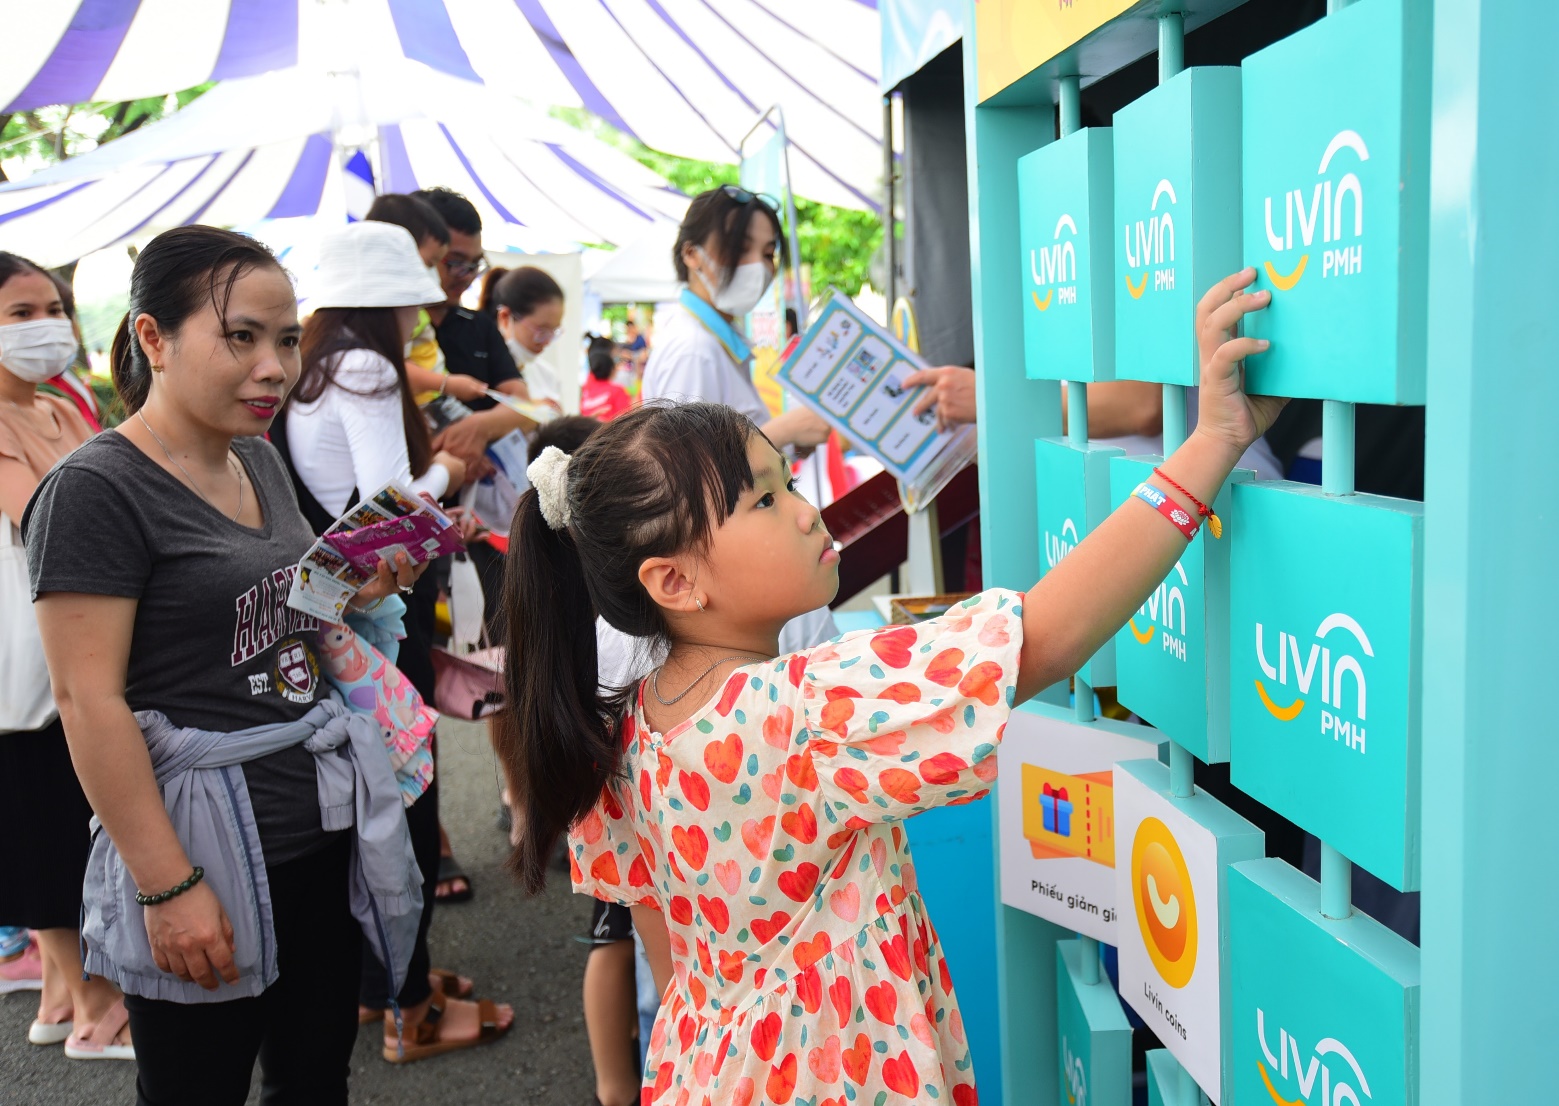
<point x="222" y="825"/>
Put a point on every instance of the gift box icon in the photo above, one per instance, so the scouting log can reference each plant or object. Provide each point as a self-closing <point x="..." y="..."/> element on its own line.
<point x="1057" y="811"/>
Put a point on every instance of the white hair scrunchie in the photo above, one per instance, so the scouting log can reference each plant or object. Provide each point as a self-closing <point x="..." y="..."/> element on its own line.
<point x="549" y="476"/>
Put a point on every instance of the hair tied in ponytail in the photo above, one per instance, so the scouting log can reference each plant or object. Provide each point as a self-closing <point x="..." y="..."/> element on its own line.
<point x="549" y="476"/>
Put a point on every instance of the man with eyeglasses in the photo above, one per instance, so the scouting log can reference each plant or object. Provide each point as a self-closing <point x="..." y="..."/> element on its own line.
<point x="470" y="340"/>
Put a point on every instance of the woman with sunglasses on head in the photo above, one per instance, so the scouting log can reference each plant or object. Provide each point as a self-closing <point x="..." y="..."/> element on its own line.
<point x="725" y="255"/>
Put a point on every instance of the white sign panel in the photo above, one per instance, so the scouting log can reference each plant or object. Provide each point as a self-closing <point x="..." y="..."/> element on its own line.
<point x="1167" y="882"/>
<point x="1058" y="839"/>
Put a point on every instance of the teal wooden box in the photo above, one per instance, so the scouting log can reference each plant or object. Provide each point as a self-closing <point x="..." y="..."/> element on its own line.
<point x="1072" y="491"/>
<point x="1093" y="1035"/>
<point x="1324" y="1011"/>
<point x="1064" y="216"/>
<point x="1326" y="626"/>
<point x="1336" y="176"/>
<point x="1172" y="861"/>
<point x="1177" y="218"/>
<point x="1171" y="663"/>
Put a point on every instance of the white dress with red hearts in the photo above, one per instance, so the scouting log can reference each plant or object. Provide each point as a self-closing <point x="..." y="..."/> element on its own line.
<point x="764" y="827"/>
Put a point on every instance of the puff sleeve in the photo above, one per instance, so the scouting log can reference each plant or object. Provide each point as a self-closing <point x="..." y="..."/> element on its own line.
<point x="906" y="718"/>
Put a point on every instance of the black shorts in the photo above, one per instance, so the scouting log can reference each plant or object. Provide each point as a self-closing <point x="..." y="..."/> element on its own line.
<point x="610" y="922"/>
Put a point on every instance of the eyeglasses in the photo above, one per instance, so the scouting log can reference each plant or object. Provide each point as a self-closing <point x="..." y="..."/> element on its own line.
<point x="465" y="268"/>
<point x="544" y="335"/>
<point x="744" y="197"/>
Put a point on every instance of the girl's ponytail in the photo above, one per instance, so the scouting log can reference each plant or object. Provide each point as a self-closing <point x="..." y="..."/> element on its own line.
<point x="557" y="737"/>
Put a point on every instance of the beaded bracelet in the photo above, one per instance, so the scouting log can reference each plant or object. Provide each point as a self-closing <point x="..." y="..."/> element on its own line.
<point x="173" y="892"/>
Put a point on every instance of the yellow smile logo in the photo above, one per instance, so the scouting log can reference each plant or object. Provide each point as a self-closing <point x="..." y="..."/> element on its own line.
<point x="1042" y="304"/>
<point x="1165" y="904"/>
<point x="1142" y="636"/>
<point x="1285" y="283"/>
<point x="1136" y="290"/>
<point x="1271" y="1090"/>
<point x="1282" y="714"/>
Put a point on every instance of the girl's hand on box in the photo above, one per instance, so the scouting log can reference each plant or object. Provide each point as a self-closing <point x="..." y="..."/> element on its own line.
<point x="1225" y="411"/>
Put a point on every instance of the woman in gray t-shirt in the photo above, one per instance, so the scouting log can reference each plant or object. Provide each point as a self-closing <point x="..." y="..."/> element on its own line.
<point x="161" y="557"/>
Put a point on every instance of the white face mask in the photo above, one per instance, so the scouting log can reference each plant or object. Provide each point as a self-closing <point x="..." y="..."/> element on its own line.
<point x="745" y="288"/>
<point x="38" y="349"/>
<point x="522" y="354"/>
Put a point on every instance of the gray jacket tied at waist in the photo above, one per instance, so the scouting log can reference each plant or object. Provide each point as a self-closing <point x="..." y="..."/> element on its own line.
<point x="203" y="788"/>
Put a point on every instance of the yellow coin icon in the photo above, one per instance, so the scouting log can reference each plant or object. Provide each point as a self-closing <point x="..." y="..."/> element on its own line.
<point x="1165" y="904"/>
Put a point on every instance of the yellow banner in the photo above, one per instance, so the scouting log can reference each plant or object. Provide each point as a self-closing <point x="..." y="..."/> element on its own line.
<point x="1015" y="37"/>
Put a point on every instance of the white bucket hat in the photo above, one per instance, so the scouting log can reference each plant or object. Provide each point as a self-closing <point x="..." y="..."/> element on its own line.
<point x="372" y="264"/>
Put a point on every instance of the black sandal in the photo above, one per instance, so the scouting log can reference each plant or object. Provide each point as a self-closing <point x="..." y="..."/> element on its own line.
<point x="449" y="870"/>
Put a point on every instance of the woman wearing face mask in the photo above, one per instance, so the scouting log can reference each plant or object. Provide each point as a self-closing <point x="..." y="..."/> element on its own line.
<point x="528" y="305"/>
<point x="44" y="814"/>
<point x="725" y="255"/>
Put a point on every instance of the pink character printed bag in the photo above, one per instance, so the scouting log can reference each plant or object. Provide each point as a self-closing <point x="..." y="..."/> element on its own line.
<point x="371" y="685"/>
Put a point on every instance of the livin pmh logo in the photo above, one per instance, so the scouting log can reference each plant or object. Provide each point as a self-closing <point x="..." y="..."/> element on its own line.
<point x="1054" y="267"/>
<point x="1059" y="545"/>
<point x="1074" y="1080"/>
<point x="1158" y="614"/>
<point x="1323" y="212"/>
<point x="1150" y="246"/>
<point x="1344" y="725"/>
<point x="1339" y="1084"/>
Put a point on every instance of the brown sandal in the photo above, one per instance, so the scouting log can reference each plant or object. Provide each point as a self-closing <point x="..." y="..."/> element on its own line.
<point x="444" y="981"/>
<point x="426" y="1041"/>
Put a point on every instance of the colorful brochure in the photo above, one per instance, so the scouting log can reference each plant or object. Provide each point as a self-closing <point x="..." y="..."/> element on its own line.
<point x="392" y="520"/>
<point x="851" y="371"/>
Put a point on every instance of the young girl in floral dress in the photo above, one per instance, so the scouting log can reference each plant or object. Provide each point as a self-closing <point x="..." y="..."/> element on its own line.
<point x="747" y="805"/>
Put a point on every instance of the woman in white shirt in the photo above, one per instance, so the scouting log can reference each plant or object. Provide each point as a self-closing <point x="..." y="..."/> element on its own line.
<point x="351" y="422"/>
<point x="725" y="256"/>
<point x="528" y="306"/>
<point x="350" y="426"/>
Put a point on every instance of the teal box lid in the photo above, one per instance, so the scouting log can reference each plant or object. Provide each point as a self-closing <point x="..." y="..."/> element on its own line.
<point x="1170" y="665"/>
<point x="1336" y="175"/>
<point x="1093" y="1035"/>
<point x="1064" y="215"/>
<point x="1323" y="1011"/>
<point x="1326" y="628"/>
<point x="1177" y="218"/>
<point x="1072" y="492"/>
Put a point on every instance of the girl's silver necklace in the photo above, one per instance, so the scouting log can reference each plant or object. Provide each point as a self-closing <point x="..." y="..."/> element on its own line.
<point x="190" y="478"/>
<point x="655" y="679"/>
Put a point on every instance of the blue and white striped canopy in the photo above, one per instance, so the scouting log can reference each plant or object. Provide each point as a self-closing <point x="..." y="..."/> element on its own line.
<point x="294" y="143"/>
<point x="685" y="76"/>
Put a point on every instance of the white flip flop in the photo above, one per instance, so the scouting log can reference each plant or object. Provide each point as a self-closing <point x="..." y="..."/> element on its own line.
<point x="76" y="1048"/>
<point x="49" y="1033"/>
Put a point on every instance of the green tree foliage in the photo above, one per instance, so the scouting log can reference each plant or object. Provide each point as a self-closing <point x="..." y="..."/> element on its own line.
<point x="836" y="243"/>
<point x="55" y="133"/>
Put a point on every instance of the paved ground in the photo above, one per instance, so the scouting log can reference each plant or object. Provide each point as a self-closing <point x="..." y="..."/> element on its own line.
<point x="518" y="949"/>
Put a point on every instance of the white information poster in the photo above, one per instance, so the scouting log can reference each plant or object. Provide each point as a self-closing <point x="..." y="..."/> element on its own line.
<point x="1058" y="840"/>
<point x="1167" y="883"/>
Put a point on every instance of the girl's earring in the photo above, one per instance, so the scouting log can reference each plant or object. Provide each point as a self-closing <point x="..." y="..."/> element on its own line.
<point x="700" y="603"/>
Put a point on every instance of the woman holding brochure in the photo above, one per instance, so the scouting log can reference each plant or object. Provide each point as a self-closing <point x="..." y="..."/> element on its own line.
<point x="351" y="426"/>
<point x="219" y="893"/>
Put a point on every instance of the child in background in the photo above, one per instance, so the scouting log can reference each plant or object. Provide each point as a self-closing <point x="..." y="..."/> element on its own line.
<point x="425" y="367"/>
<point x="745" y="805"/>
<point x="600" y="398"/>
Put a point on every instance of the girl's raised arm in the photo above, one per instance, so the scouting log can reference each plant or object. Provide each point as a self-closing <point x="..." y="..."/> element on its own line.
<point x="1086" y="599"/>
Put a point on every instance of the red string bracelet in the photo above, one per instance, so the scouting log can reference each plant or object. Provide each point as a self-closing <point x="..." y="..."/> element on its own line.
<point x="1213" y="523"/>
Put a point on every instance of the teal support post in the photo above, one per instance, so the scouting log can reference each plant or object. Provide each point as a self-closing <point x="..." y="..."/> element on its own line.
<point x="1013" y="411"/>
<point x="1077" y="414"/>
<point x="1490" y="963"/>
<point x="1171" y="45"/>
<point x="1174" y="418"/>
<point x="1337" y="447"/>
<point x="1336" y="884"/>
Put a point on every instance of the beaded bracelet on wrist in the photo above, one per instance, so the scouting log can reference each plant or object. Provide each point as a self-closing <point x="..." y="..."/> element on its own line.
<point x="173" y="892"/>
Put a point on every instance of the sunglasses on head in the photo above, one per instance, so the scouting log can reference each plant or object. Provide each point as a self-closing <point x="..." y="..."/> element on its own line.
<point x="744" y="197"/>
